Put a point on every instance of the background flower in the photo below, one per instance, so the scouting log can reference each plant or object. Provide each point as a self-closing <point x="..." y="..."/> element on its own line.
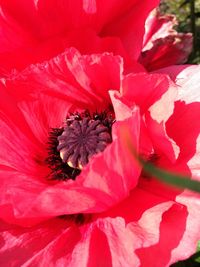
<point x="33" y="31"/>
<point x="163" y="45"/>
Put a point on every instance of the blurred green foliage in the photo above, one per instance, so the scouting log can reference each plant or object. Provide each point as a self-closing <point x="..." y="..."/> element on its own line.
<point x="188" y="15"/>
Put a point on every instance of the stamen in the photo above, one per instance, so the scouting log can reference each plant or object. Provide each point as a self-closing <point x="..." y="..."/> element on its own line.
<point x="59" y="170"/>
<point x="78" y="219"/>
<point x="71" y="147"/>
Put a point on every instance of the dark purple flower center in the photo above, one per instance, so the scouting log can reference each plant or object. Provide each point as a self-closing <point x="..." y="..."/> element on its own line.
<point x="81" y="139"/>
<point x="82" y="136"/>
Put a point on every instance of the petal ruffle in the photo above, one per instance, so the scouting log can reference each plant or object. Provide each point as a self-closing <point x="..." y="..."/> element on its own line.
<point x="162" y="45"/>
<point x="62" y="79"/>
<point x="71" y="74"/>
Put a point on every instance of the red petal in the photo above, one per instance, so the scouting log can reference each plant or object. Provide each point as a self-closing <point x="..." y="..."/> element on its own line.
<point x="163" y="46"/>
<point x="49" y="244"/>
<point x="144" y="89"/>
<point x="126" y="28"/>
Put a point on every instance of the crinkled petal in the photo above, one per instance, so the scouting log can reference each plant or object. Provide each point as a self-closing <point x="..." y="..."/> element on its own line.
<point x="167" y="51"/>
<point x="44" y="113"/>
<point x="179" y="223"/>
<point x="158" y="26"/>
<point x="17" y="151"/>
<point x="162" y="45"/>
<point x="45" y="93"/>
<point x="44" y="200"/>
<point x="65" y="244"/>
<point x="71" y="74"/>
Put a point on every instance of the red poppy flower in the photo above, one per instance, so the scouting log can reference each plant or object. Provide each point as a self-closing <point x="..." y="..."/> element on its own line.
<point x="162" y="45"/>
<point x="45" y="111"/>
<point x="64" y="164"/>
<point x="33" y="31"/>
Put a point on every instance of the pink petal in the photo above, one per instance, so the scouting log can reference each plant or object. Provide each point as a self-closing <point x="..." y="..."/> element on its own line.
<point x="144" y="213"/>
<point x="187" y="78"/>
<point x="71" y="74"/>
<point x="157" y="26"/>
<point x="120" y="175"/>
<point x="65" y="245"/>
<point x="44" y="113"/>
<point x="182" y="122"/>
<point x="188" y="244"/>
<point x="156" y="118"/>
<point x="16" y="143"/>
<point x="151" y="217"/>
<point x="114" y="239"/>
<point x="155" y="95"/>
<point x="173" y="227"/>
<point x="44" y="245"/>
<point x="63" y="78"/>
<point x="186" y="112"/>
<point x="133" y="231"/>
<point x="17" y="151"/>
<point x="144" y="89"/>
